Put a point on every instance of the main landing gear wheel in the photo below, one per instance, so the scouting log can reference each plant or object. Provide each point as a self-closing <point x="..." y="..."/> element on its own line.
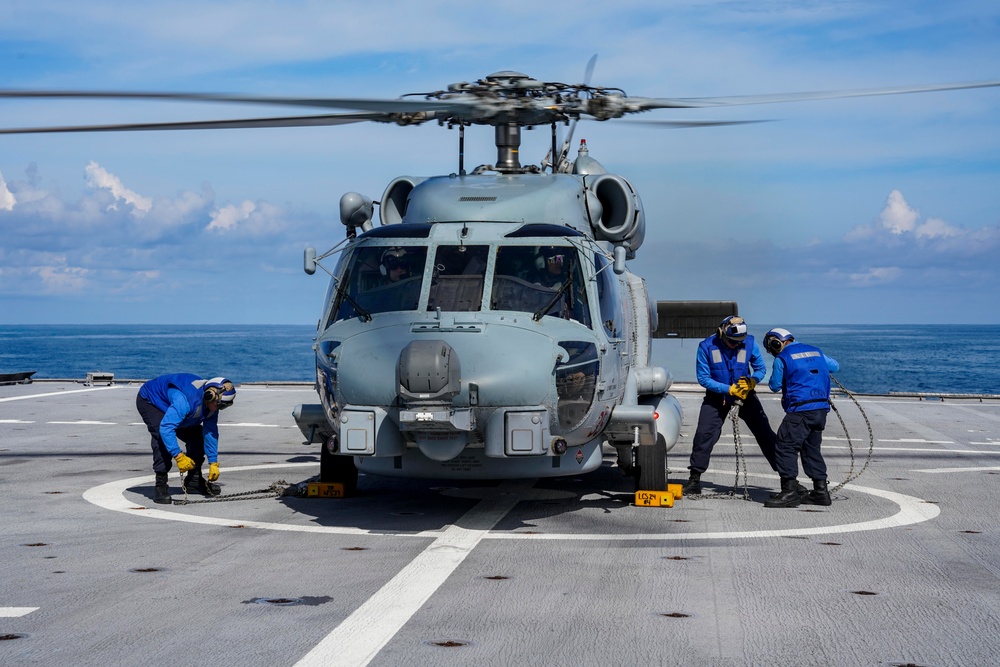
<point x="337" y="469"/>
<point x="651" y="466"/>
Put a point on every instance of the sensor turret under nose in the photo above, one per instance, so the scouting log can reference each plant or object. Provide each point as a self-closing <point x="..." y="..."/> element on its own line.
<point x="429" y="373"/>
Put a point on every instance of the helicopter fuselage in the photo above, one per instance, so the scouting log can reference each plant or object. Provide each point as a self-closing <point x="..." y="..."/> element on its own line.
<point x="485" y="331"/>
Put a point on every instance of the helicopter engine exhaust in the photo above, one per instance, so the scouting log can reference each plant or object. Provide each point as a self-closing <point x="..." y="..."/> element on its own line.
<point x="393" y="205"/>
<point x="615" y="211"/>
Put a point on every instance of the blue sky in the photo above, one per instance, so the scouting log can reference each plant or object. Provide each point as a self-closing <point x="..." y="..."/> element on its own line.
<point x="869" y="210"/>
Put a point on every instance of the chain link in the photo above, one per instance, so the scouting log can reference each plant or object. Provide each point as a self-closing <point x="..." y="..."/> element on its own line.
<point x="734" y="416"/>
<point x="850" y="444"/>
<point x="277" y="489"/>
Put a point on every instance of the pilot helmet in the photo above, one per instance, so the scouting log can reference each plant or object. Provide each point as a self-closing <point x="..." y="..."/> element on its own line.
<point x="392" y="258"/>
<point x="219" y="389"/>
<point x="775" y="339"/>
<point x="551" y="254"/>
<point x="733" y="329"/>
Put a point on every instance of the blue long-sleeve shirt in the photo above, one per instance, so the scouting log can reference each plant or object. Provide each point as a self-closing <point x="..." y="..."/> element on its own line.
<point x="704" y="374"/>
<point x="178" y="415"/>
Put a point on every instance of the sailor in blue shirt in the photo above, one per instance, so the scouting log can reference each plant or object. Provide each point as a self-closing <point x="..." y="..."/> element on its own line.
<point x="183" y="406"/>
<point x="802" y="374"/>
<point x="729" y="365"/>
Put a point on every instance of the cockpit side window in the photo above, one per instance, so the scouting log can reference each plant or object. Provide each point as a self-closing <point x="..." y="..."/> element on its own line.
<point x="459" y="272"/>
<point x="379" y="279"/>
<point x="607" y="296"/>
<point x="329" y="308"/>
<point x="528" y="278"/>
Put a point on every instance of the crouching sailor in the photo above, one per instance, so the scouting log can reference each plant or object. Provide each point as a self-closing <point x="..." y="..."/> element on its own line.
<point x="182" y="406"/>
<point x="802" y="373"/>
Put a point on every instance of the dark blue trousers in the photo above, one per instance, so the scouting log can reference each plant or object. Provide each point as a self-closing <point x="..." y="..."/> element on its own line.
<point x="191" y="436"/>
<point x="711" y="419"/>
<point x="801" y="433"/>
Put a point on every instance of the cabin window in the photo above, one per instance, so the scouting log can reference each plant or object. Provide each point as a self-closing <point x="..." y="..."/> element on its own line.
<point x="529" y="278"/>
<point x="379" y="279"/>
<point x="457" y="278"/>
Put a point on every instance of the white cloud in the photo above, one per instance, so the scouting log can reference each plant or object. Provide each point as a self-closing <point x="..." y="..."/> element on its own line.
<point x="937" y="228"/>
<point x="897" y="216"/>
<point x="63" y="279"/>
<point x="229" y="216"/>
<point x="100" y="178"/>
<point x="900" y="223"/>
<point x="7" y="199"/>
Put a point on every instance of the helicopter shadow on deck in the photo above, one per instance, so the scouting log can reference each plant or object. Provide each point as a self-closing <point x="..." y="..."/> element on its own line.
<point x="401" y="505"/>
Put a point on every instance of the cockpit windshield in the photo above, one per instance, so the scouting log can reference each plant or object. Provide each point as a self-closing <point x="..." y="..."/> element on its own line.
<point x="546" y="281"/>
<point x="543" y="280"/>
<point x="458" y="278"/>
<point x="380" y="279"/>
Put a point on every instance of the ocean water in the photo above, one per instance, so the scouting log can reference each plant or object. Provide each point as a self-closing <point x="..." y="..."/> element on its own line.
<point x="960" y="359"/>
<point x="254" y="353"/>
<point x="877" y="359"/>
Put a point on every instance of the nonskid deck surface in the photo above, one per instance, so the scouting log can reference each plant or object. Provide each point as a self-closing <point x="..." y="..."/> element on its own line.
<point x="901" y="569"/>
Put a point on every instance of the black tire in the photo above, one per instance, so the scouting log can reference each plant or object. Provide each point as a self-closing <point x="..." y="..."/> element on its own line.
<point x="337" y="469"/>
<point x="651" y="466"/>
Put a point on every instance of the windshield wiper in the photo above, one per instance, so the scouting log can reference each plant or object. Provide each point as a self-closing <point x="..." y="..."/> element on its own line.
<point x="342" y="292"/>
<point x="555" y="297"/>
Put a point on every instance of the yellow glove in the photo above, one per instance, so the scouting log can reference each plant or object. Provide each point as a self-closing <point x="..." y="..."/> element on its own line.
<point x="737" y="391"/>
<point x="746" y="384"/>
<point x="213" y="472"/>
<point x="184" y="462"/>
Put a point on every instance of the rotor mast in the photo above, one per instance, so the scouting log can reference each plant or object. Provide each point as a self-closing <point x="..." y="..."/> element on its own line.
<point x="508" y="140"/>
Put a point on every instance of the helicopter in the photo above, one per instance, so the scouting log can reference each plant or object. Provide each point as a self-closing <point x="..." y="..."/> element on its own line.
<point x="489" y="327"/>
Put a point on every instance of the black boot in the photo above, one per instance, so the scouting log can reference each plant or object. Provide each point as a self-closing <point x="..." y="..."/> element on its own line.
<point x="803" y="491"/>
<point x="194" y="481"/>
<point x="692" y="487"/>
<point x="789" y="496"/>
<point x="820" y="495"/>
<point x="161" y="494"/>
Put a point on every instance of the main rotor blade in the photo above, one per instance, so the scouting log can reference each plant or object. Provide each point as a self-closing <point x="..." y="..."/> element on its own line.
<point x="682" y="124"/>
<point x="643" y="103"/>
<point x="286" y="121"/>
<point x="361" y="104"/>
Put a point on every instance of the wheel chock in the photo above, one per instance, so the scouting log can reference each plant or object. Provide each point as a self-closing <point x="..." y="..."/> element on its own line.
<point x="654" y="499"/>
<point x="677" y="490"/>
<point x="325" y="490"/>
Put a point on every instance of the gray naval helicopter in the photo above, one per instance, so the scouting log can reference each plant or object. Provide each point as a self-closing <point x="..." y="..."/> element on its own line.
<point x="489" y="327"/>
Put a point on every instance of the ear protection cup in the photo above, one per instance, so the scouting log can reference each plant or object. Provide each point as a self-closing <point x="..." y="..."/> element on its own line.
<point x="381" y="269"/>
<point x="219" y="389"/>
<point x="540" y="263"/>
<point x="775" y="339"/>
<point x="772" y="344"/>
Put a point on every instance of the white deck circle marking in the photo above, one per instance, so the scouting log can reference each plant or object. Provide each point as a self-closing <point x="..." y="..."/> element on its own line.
<point x="911" y="510"/>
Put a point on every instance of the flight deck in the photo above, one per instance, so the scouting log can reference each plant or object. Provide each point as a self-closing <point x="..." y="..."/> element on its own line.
<point x="902" y="569"/>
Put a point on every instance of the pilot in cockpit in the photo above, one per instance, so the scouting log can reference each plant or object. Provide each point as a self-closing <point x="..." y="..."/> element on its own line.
<point x="394" y="265"/>
<point x="553" y="271"/>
